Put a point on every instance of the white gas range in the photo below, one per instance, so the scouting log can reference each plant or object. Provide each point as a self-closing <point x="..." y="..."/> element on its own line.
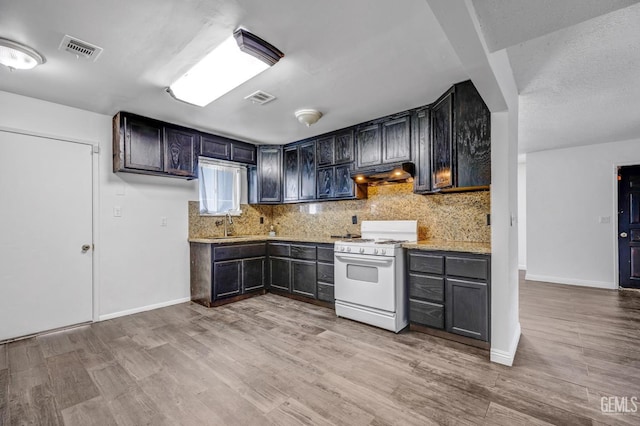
<point x="369" y="274"/>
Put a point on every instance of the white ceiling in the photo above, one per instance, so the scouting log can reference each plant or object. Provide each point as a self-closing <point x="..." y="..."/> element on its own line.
<point x="353" y="61"/>
<point x="576" y="62"/>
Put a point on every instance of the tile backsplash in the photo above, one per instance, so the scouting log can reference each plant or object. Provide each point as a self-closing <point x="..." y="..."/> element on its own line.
<point x="453" y="217"/>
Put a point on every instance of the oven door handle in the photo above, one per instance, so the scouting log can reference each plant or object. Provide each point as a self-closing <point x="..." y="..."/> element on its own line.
<point x="382" y="262"/>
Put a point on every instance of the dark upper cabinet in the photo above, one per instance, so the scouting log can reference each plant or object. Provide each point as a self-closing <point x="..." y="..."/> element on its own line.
<point x="307" y="167"/>
<point x="422" y="151"/>
<point x="335" y="148"/>
<point x="396" y="140"/>
<point x="343" y="151"/>
<point x="326" y="149"/>
<point x="299" y="172"/>
<point x="472" y="130"/>
<point x="222" y="148"/>
<point x="442" y="142"/>
<point x="181" y="152"/>
<point x="269" y="174"/>
<point x="368" y="145"/>
<point x="326" y="182"/>
<point x="252" y="184"/>
<point x="215" y="147"/>
<point x="344" y="185"/>
<point x="290" y="174"/>
<point x="147" y="146"/>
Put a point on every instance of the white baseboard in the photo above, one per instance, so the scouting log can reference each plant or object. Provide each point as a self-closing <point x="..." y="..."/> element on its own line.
<point x="142" y="309"/>
<point x="570" y="281"/>
<point x="506" y="357"/>
<point x="522" y="267"/>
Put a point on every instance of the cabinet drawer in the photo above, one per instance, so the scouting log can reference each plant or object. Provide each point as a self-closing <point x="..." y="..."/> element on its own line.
<point x="325" y="292"/>
<point x="325" y="272"/>
<point x="425" y="313"/>
<point x="427" y="263"/>
<point x="303" y="252"/>
<point x="468" y="267"/>
<point x="279" y="249"/>
<point x="325" y="253"/>
<point x="238" y="251"/>
<point x="426" y="287"/>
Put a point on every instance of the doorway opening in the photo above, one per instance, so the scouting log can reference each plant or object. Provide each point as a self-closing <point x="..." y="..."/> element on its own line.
<point x="629" y="226"/>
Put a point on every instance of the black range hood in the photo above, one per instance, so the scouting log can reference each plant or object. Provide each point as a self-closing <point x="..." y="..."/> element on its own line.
<point x="384" y="173"/>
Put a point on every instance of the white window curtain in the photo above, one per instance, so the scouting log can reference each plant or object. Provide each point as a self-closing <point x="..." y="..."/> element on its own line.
<point x="220" y="187"/>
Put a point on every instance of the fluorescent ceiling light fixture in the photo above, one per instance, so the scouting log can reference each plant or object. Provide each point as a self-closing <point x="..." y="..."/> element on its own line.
<point x="18" y="56"/>
<point x="238" y="59"/>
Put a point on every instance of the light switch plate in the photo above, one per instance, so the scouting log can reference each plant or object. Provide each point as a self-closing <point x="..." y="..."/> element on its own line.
<point x="604" y="219"/>
<point x="117" y="211"/>
<point x="163" y="221"/>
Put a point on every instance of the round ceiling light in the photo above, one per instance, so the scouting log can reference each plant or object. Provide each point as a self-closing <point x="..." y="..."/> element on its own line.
<point x="308" y="116"/>
<point x="18" y="56"/>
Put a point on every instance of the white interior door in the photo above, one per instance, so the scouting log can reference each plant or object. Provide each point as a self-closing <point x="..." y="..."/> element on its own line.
<point x="45" y="219"/>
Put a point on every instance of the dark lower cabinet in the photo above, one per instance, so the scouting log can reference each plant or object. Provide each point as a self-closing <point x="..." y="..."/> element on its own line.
<point x="279" y="274"/>
<point x="223" y="271"/>
<point x="467" y="307"/>
<point x="227" y="278"/>
<point x="450" y="291"/>
<point x="325" y="276"/>
<point x="303" y="278"/>
<point x="253" y="274"/>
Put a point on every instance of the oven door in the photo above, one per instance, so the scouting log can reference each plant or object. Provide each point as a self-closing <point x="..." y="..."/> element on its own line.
<point x="365" y="280"/>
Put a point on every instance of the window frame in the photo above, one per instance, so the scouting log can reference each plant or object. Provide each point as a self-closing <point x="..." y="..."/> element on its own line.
<point x="237" y="193"/>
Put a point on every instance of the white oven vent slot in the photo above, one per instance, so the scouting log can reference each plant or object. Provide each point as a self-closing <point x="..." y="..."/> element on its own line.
<point x="260" y="97"/>
<point x="81" y="49"/>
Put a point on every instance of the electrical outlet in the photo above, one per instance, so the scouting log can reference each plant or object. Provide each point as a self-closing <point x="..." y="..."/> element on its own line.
<point x="488" y="219"/>
<point x="354" y="220"/>
<point x="261" y="220"/>
<point x="163" y="221"/>
<point x="117" y="211"/>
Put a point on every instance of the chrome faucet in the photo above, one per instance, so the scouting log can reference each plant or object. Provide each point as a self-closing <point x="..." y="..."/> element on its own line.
<point x="227" y="216"/>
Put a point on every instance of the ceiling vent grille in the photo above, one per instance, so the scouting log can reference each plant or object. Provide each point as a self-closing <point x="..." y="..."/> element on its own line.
<point x="81" y="49"/>
<point x="260" y="97"/>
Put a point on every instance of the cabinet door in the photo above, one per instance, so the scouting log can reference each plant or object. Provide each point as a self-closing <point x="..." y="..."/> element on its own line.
<point x="422" y="151"/>
<point x="343" y="151"/>
<point x="325" y="149"/>
<point x="243" y="153"/>
<point x="467" y="308"/>
<point x="252" y="184"/>
<point x="326" y="182"/>
<point x="442" y="155"/>
<point x="472" y="129"/>
<point x="269" y="174"/>
<point x="253" y="274"/>
<point x="344" y="186"/>
<point x="226" y="279"/>
<point x="396" y="140"/>
<point x="279" y="274"/>
<point x="303" y="278"/>
<point x="307" y="164"/>
<point x="180" y="152"/>
<point x="143" y="144"/>
<point x="369" y="146"/>
<point x="215" y="147"/>
<point x="290" y="174"/>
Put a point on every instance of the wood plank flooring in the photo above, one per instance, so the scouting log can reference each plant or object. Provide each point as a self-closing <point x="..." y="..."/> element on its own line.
<point x="273" y="360"/>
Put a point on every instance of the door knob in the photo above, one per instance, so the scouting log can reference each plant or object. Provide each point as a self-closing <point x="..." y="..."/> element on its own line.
<point x="86" y="247"/>
<point x="623" y="234"/>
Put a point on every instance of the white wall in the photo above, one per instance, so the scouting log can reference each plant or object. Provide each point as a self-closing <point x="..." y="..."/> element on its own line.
<point x="568" y="191"/>
<point x="138" y="264"/>
<point x="522" y="215"/>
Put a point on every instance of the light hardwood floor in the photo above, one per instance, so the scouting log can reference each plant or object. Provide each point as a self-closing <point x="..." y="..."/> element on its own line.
<point x="273" y="360"/>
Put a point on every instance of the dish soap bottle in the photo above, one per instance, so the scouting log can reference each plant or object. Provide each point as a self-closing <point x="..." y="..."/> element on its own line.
<point x="272" y="233"/>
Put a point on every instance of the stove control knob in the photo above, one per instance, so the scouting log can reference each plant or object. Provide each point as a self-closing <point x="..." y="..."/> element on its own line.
<point x="382" y="251"/>
<point x="341" y="248"/>
<point x="361" y="249"/>
<point x="375" y="251"/>
<point x="348" y="249"/>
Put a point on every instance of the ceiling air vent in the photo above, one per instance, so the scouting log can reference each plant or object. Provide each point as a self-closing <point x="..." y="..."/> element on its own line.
<point x="260" y="97"/>
<point x="81" y="49"/>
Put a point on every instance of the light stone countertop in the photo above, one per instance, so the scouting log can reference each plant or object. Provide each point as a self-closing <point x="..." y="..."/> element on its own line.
<point x="427" y="245"/>
<point x="460" y="246"/>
